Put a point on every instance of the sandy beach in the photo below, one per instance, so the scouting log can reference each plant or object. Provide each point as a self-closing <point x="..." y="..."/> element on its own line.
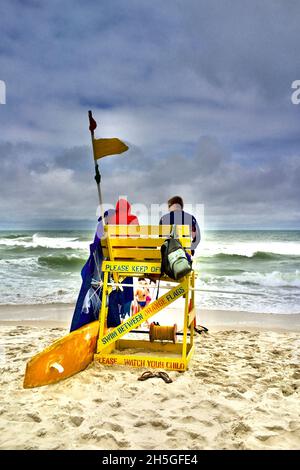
<point x="241" y="392"/>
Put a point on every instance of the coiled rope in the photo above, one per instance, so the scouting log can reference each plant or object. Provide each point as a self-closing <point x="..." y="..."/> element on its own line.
<point x="162" y="333"/>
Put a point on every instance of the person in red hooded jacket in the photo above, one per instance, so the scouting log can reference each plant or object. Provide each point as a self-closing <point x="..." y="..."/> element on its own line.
<point x="123" y="216"/>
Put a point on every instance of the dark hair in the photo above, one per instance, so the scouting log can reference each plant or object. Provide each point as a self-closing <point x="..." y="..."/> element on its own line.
<point x="175" y="200"/>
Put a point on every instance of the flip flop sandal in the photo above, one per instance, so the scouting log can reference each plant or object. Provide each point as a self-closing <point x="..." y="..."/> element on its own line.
<point x="200" y="329"/>
<point x="164" y="376"/>
<point x="147" y="375"/>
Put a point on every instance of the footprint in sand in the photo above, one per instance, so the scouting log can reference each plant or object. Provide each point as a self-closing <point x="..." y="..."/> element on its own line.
<point x="275" y="427"/>
<point x="188" y="419"/>
<point x="235" y="395"/>
<point x="164" y="398"/>
<point x="172" y="432"/>
<point x="287" y="391"/>
<point x="260" y="410"/>
<point x="115" y="404"/>
<point x="264" y="437"/>
<point x="155" y="423"/>
<point x="240" y="428"/>
<point x="41" y="433"/>
<point x="240" y="445"/>
<point x="131" y="388"/>
<point x="171" y="444"/>
<point x="140" y="424"/>
<point x="294" y="425"/>
<point x="115" y="427"/>
<point x="159" y="424"/>
<point x="106" y="440"/>
<point x="35" y="417"/>
<point x="201" y="374"/>
<point x="206" y="423"/>
<point x="296" y="375"/>
<point x="76" y="420"/>
<point x="194" y="435"/>
<point x="108" y="377"/>
<point x="98" y="400"/>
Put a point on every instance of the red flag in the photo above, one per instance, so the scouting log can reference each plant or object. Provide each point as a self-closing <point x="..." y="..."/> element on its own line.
<point x="93" y="123"/>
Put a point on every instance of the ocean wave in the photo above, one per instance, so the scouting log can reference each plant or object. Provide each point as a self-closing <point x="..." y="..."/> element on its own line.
<point x="60" y="296"/>
<point x="62" y="261"/>
<point x="258" y="255"/>
<point x="274" y="279"/>
<point x="17" y="235"/>
<point x="248" y="249"/>
<point x="221" y="249"/>
<point x="13" y="265"/>
<point x="38" y="241"/>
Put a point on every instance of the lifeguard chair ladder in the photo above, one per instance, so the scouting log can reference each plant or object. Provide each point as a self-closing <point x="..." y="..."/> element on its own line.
<point x="135" y="251"/>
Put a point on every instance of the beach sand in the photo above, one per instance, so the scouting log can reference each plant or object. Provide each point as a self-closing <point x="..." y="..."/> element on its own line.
<point x="241" y="391"/>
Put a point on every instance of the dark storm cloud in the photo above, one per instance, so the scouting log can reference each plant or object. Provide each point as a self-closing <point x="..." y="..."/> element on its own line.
<point x="234" y="194"/>
<point x="200" y="90"/>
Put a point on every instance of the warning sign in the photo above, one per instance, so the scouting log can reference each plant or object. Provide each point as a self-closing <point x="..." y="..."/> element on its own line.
<point x="131" y="267"/>
<point x="143" y="315"/>
<point x="142" y="361"/>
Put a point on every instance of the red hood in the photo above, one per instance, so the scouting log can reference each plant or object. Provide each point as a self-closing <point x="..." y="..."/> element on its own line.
<point x="123" y="206"/>
<point x="123" y="214"/>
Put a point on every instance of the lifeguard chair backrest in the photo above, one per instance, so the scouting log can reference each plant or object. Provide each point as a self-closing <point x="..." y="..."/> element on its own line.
<point x="140" y="242"/>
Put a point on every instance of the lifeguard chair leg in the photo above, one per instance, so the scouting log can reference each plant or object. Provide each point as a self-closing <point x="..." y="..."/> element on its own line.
<point x="186" y="319"/>
<point x="104" y="306"/>
<point x="192" y="324"/>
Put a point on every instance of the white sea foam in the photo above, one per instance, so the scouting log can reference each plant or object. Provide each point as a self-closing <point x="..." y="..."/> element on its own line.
<point x="246" y="279"/>
<point x="207" y="248"/>
<point x="44" y="276"/>
<point x="211" y="248"/>
<point x="46" y="242"/>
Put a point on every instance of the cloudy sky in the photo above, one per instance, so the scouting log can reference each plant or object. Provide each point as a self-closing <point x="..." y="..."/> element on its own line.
<point x="200" y="91"/>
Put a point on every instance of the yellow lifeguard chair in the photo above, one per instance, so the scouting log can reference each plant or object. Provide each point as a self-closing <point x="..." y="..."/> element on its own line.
<point x="135" y="251"/>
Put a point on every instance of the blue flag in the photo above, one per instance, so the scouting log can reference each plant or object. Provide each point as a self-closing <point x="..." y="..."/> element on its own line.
<point x="89" y="299"/>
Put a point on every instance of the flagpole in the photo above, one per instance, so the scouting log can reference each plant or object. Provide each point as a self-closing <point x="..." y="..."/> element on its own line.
<point x="92" y="128"/>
